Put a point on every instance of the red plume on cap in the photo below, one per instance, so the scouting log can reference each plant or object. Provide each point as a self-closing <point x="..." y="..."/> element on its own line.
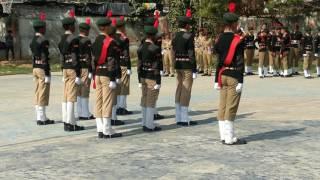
<point x="88" y="21"/>
<point x="156" y="23"/>
<point x="109" y="13"/>
<point x="122" y="18"/>
<point x="42" y="16"/>
<point x="114" y="21"/>
<point x="189" y="13"/>
<point x="72" y="14"/>
<point x="232" y="7"/>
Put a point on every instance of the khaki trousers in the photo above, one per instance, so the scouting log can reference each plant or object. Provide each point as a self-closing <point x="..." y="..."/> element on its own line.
<point x="318" y="61"/>
<point x="294" y="57"/>
<point x="70" y="89"/>
<point x="124" y="87"/>
<point x="229" y="99"/>
<point x="207" y="62"/>
<point x="307" y="62"/>
<point x="42" y="90"/>
<point x="199" y="59"/>
<point x="284" y="62"/>
<point x="168" y="62"/>
<point x="249" y="57"/>
<point x="105" y="97"/>
<point x="84" y="88"/>
<point x="275" y="58"/>
<point x="149" y="94"/>
<point x="263" y="59"/>
<point x="184" y="87"/>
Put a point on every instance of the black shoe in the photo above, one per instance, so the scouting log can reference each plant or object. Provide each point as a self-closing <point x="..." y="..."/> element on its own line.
<point x="205" y="74"/>
<point x="115" y="135"/>
<point x="238" y="142"/>
<point x="165" y="75"/>
<point x="41" y="123"/>
<point x="191" y="123"/>
<point x="117" y="122"/>
<point x="126" y="112"/>
<point x="48" y="121"/>
<point x="71" y="127"/>
<point x="296" y="73"/>
<point x="158" y="117"/>
<point x="249" y="74"/>
<point x="119" y="111"/>
<point x="87" y="118"/>
<point x="145" y="129"/>
<point x="100" y="135"/>
<point x="65" y="126"/>
<point x="172" y="75"/>
<point x="200" y="72"/>
<point x="318" y="76"/>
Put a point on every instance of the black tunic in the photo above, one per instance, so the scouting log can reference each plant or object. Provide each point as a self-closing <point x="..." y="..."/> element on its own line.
<point x="40" y="53"/>
<point x="183" y="48"/>
<point x="307" y="43"/>
<point x="222" y="48"/>
<point x="69" y="49"/>
<point x="296" y="39"/>
<point x="317" y="44"/>
<point x="249" y="41"/>
<point x="111" y="64"/>
<point x="85" y="51"/>
<point x="149" y="62"/>
<point x="124" y="45"/>
<point x="275" y="43"/>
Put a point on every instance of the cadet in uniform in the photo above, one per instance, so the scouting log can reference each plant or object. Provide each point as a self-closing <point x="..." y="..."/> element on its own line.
<point x="249" y="51"/>
<point x="125" y="63"/>
<point x="285" y="48"/>
<point x="106" y="53"/>
<point x="317" y="51"/>
<point x="167" y="56"/>
<point x="69" y="49"/>
<point x="149" y="67"/>
<point x="186" y="69"/>
<point x="307" y="47"/>
<point x="262" y="40"/>
<point x="229" y="78"/>
<point x="85" y="52"/>
<point x="275" y="51"/>
<point x="41" y="71"/>
<point x="296" y="37"/>
<point x="207" y="55"/>
<point x="198" y="51"/>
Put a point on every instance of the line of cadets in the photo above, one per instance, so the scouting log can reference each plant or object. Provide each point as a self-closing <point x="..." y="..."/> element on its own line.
<point x="279" y="51"/>
<point x="107" y="63"/>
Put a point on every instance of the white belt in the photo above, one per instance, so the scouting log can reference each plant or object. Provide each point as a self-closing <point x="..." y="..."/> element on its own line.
<point x="102" y="67"/>
<point x="68" y="60"/>
<point x="182" y="59"/>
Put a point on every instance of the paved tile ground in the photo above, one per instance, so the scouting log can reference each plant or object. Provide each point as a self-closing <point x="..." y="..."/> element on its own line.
<point x="279" y="117"/>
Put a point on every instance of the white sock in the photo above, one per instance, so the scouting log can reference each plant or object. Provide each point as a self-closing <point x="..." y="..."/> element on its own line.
<point x="184" y="114"/>
<point x="229" y="132"/>
<point x="79" y="107"/>
<point x="107" y="128"/>
<point x="150" y="118"/>
<point x="70" y="113"/>
<point x="221" y="130"/>
<point x="114" y="113"/>
<point x="143" y="113"/>
<point x="178" y="112"/>
<point x="64" y="112"/>
<point x="85" y="107"/>
<point x="318" y="70"/>
<point x="41" y="116"/>
<point x="99" y="123"/>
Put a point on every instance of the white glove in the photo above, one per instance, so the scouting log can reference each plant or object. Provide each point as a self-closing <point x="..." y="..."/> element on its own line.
<point x="112" y="85"/>
<point x="305" y="55"/>
<point x="239" y="88"/>
<point x="129" y="72"/>
<point x="157" y="86"/>
<point x="62" y="79"/>
<point x="47" y="79"/>
<point x="118" y="81"/>
<point x="90" y="75"/>
<point x="316" y="55"/>
<point x="216" y="86"/>
<point x="78" y="81"/>
<point x="194" y="75"/>
<point x="140" y="85"/>
<point x="161" y="73"/>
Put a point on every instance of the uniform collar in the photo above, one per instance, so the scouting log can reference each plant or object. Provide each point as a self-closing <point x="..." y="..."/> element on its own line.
<point x="102" y="33"/>
<point x="183" y="30"/>
<point x="68" y="32"/>
<point x="82" y="35"/>
<point x="38" y="34"/>
<point x="149" y="41"/>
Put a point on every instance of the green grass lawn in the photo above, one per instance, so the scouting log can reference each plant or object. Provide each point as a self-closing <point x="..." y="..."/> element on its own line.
<point x="12" y="69"/>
